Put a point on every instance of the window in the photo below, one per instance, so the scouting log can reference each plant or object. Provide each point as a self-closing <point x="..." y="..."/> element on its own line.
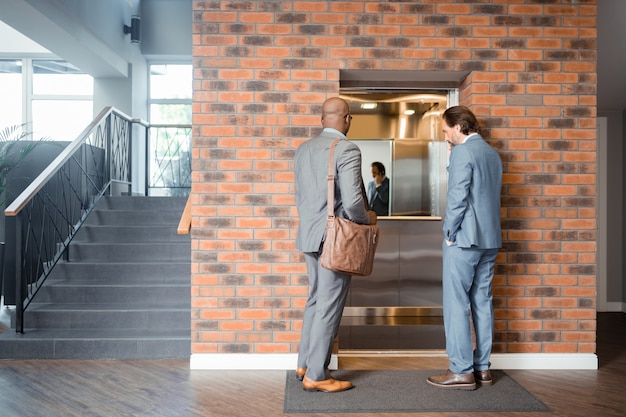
<point x="11" y="93"/>
<point x="169" y="164"/>
<point x="51" y="96"/>
<point x="62" y="101"/>
<point x="170" y="93"/>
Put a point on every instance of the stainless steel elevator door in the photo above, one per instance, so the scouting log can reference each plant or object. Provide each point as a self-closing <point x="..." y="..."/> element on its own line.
<point x="399" y="305"/>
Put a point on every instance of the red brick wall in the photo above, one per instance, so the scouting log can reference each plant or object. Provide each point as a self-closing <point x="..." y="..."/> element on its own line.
<point x="261" y="70"/>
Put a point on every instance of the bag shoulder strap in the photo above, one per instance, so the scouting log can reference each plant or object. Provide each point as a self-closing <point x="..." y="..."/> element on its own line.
<point x="331" y="180"/>
<point x="331" y="183"/>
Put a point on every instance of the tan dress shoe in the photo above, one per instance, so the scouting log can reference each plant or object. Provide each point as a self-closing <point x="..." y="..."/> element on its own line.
<point x="484" y="377"/>
<point x="327" y="385"/>
<point x="451" y="380"/>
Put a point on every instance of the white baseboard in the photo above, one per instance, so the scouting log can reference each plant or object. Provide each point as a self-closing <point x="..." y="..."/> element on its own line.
<point x="242" y="361"/>
<point x="544" y="361"/>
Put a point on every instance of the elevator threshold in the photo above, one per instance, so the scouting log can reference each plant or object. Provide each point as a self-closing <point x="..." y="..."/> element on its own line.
<point x="418" y="353"/>
<point x="388" y="359"/>
<point x="391" y="320"/>
<point x="391" y="334"/>
<point x="393" y="311"/>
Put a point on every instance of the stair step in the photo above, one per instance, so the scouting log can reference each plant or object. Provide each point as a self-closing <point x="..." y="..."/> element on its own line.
<point x="94" y="292"/>
<point x="106" y="316"/>
<point x="142" y="203"/>
<point x="133" y="217"/>
<point x="129" y="234"/>
<point x="114" y="271"/>
<point x="95" y="344"/>
<point x="159" y="252"/>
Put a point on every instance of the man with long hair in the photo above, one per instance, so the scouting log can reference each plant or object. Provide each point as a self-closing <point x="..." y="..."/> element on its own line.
<point x="472" y="237"/>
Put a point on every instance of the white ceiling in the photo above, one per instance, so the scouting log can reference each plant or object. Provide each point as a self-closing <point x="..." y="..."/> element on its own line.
<point x="14" y="43"/>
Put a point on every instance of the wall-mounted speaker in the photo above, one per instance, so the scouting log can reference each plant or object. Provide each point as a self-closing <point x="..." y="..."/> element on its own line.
<point x="134" y="29"/>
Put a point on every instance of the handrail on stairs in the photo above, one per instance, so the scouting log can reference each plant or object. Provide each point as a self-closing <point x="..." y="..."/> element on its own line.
<point x="184" y="226"/>
<point x="42" y="221"/>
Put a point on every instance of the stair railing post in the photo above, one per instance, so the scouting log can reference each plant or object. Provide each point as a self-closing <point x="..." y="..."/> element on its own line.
<point x="129" y="157"/>
<point x="10" y="249"/>
<point x="147" y="163"/>
<point x="19" y="279"/>
<point x="1" y="269"/>
<point x="108" y="165"/>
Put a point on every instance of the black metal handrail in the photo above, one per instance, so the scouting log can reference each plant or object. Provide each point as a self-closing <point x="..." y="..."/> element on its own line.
<point x="45" y="217"/>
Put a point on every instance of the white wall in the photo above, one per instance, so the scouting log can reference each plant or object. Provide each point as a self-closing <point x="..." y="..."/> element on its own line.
<point x="166" y="29"/>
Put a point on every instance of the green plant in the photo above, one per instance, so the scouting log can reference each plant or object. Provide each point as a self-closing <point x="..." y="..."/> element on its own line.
<point x="15" y="143"/>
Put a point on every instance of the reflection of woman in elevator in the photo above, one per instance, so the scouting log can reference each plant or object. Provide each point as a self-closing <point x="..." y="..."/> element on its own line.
<point x="378" y="190"/>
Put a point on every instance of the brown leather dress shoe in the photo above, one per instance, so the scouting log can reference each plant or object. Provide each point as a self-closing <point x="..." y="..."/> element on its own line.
<point x="300" y="373"/>
<point x="451" y="380"/>
<point x="484" y="377"/>
<point x="327" y="385"/>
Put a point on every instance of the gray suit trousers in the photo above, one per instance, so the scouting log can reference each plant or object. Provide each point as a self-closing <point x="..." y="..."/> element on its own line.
<point x="328" y="291"/>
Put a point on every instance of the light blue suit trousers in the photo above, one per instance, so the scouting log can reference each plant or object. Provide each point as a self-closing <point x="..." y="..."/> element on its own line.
<point x="472" y="223"/>
<point x="467" y="276"/>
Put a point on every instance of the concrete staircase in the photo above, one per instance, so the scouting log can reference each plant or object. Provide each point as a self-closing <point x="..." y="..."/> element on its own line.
<point x="124" y="292"/>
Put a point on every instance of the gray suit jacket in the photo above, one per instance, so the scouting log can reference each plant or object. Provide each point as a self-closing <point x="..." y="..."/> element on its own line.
<point x="311" y="174"/>
<point x="473" y="201"/>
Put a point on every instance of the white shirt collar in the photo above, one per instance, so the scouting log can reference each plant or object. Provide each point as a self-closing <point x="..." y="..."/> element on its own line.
<point x="331" y="130"/>
<point x="469" y="136"/>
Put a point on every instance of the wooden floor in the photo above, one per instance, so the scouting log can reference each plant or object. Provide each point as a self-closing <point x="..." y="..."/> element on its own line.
<point x="168" y="388"/>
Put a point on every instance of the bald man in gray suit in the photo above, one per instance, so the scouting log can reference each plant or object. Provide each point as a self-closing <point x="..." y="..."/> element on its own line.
<point x="327" y="289"/>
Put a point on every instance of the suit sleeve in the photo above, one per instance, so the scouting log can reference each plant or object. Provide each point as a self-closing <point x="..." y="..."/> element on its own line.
<point x="350" y="184"/>
<point x="459" y="182"/>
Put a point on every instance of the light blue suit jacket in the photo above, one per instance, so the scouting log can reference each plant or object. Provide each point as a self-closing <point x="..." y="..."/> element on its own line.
<point x="472" y="216"/>
<point x="311" y="174"/>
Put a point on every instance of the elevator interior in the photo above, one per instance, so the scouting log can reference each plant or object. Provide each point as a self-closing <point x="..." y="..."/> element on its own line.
<point x="398" y="307"/>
